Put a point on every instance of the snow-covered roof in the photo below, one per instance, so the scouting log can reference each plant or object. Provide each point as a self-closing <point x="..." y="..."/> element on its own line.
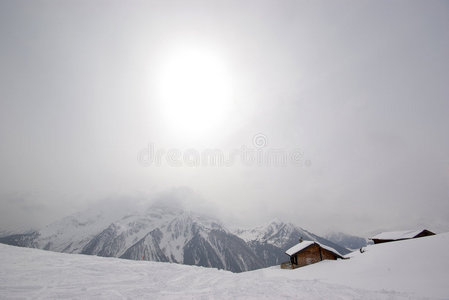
<point x="397" y="235"/>
<point x="304" y="244"/>
<point x="298" y="247"/>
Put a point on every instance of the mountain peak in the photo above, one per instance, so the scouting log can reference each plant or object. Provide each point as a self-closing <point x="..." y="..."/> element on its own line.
<point x="276" y="221"/>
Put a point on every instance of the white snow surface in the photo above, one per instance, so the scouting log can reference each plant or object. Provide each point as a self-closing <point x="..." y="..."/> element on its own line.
<point x="397" y="235"/>
<point x="304" y="244"/>
<point x="397" y="270"/>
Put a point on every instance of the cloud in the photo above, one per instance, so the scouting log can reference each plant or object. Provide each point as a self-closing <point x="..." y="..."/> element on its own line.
<point x="359" y="87"/>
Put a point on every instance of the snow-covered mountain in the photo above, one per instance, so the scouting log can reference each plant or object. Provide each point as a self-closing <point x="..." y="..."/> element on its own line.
<point x="346" y="240"/>
<point x="168" y="234"/>
<point x="271" y="240"/>
<point x="172" y="235"/>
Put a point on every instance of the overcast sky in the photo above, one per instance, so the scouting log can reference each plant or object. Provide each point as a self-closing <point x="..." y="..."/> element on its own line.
<point x="355" y="92"/>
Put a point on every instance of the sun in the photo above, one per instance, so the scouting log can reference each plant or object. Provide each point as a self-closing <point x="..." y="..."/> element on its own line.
<point x="194" y="91"/>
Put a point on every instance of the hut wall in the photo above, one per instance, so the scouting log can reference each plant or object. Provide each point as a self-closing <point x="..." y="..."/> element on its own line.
<point x="308" y="256"/>
<point x="425" y="233"/>
<point x="312" y="255"/>
<point x="377" y="241"/>
<point x="326" y="254"/>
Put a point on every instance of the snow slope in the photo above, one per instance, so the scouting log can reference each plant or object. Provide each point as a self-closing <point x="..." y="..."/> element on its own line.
<point x="418" y="266"/>
<point x="34" y="273"/>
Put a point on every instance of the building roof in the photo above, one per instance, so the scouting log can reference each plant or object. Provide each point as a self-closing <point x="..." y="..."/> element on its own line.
<point x="397" y="235"/>
<point x="304" y="244"/>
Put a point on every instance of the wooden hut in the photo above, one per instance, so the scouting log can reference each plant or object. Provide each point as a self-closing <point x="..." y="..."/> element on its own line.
<point x="392" y="236"/>
<point x="309" y="252"/>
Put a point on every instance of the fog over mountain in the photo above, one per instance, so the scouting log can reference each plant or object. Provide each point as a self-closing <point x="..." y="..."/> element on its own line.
<point x="330" y="115"/>
<point x="165" y="232"/>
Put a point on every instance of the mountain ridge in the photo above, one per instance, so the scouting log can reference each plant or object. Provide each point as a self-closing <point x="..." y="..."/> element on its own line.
<point x="169" y="234"/>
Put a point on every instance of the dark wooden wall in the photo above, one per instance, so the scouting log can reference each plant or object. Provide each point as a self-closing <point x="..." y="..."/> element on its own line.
<point x="422" y="234"/>
<point x="313" y="254"/>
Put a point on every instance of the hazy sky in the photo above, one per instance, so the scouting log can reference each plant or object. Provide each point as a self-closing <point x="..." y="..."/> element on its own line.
<point x="355" y="93"/>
